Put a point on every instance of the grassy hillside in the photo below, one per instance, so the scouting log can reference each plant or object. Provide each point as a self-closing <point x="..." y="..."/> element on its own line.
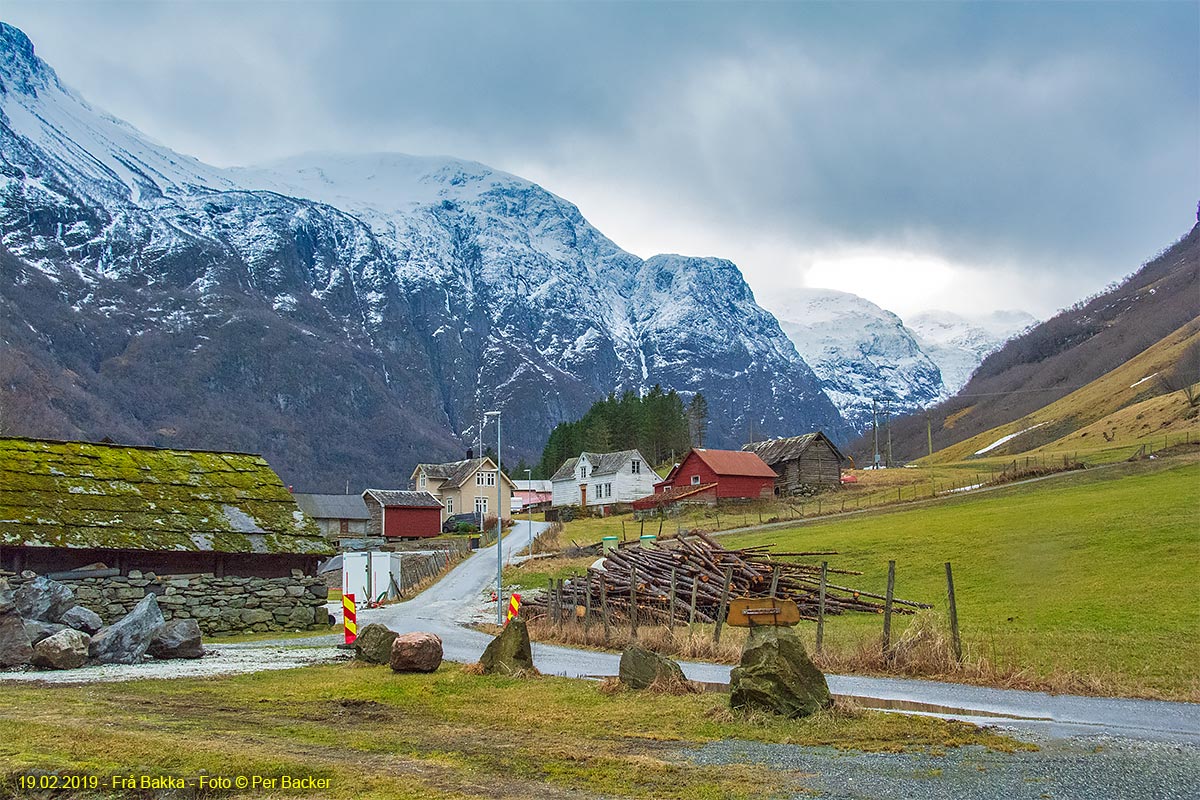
<point x="1091" y="575"/>
<point x="1080" y="421"/>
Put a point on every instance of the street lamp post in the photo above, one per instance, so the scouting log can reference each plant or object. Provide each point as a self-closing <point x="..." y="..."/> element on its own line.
<point x="499" y="525"/>
<point x="529" y="489"/>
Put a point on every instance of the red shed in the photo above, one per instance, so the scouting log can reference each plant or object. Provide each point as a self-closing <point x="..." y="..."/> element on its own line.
<point x="402" y="514"/>
<point x="737" y="474"/>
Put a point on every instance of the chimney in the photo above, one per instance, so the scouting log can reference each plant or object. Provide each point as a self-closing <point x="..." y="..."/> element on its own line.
<point x="470" y="454"/>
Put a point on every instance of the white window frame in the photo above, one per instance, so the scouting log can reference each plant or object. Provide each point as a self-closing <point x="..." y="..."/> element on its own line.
<point x="422" y="479"/>
<point x="481" y="505"/>
<point x="695" y="480"/>
<point x="489" y="478"/>
<point x="450" y="506"/>
<point x="479" y="479"/>
<point x="635" y="467"/>
<point x="608" y="490"/>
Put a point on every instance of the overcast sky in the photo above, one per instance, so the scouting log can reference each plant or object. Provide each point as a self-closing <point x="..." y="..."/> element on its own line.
<point x="970" y="157"/>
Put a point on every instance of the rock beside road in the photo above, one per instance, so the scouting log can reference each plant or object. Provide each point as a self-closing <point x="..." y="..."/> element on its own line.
<point x="128" y="639"/>
<point x="416" y="652"/>
<point x="374" y="644"/>
<point x="36" y="630"/>
<point x="776" y="675"/>
<point x="67" y="649"/>
<point x="510" y="652"/>
<point x="15" y="647"/>
<point x="179" y="638"/>
<point x="43" y="599"/>
<point x="82" y="619"/>
<point x="641" y="667"/>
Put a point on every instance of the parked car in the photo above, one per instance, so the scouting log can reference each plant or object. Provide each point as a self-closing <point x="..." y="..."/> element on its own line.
<point x="460" y="523"/>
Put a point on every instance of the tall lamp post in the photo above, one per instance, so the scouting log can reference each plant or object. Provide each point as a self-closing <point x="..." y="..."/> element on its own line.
<point x="528" y="489"/>
<point x="499" y="525"/>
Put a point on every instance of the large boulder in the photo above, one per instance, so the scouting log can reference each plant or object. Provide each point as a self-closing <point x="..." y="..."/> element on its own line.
<point x="15" y="648"/>
<point x="43" y="599"/>
<point x="776" y="675"/>
<point x="509" y="653"/>
<point x="641" y="667"/>
<point x="67" y="649"/>
<point x="179" y="638"/>
<point x="128" y="639"/>
<point x="82" y="619"/>
<point x="7" y="602"/>
<point x="374" y="644"/>
<point x="36" y="630"/>
<point x="416" y="652"/>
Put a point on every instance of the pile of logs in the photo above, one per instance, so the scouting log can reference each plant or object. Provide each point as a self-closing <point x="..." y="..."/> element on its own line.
<point x="691" y="578"/>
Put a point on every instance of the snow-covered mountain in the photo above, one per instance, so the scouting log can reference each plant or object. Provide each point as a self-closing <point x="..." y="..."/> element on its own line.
<point x="859" y="351"/>
<point x="958" y="345"/>
<point x="345" y="315"/>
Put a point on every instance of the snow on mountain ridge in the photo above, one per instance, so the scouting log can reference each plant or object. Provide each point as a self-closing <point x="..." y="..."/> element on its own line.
<point x="959" y="344"/>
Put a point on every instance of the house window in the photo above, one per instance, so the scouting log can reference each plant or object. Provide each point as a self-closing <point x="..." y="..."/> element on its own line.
<point x="449" y="505"/>
<point x="422" y="480"/>
<point x="490" y="478"/>
<point x="636" y="467"/>
<point x="582" y="473"/>
<point x="481" y="505"/>
<point x="608" y="490"/>
<point x="479" y="479"/>
<point x="695" y="480"/>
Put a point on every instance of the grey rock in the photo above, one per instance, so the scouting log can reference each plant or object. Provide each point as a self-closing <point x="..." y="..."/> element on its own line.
<point x="82" y="619"/>
<point x="300" y="618"/>
<point x="374" y="644"/>
<point x="15" y="648"/>
<point x="179" y="638"/>
<point x="67" y="649"/>
<point x="641" y="667"/>
<point x="776" y="675"/>
<point x="416" y="652"/>
<point x="254" y="616"/>
<point x="43" y="599"/>
<point x="7" y="602"/>
<point x="509" y="653"/>
<point x="37" y="630"/>
<point x="128" y="639"/>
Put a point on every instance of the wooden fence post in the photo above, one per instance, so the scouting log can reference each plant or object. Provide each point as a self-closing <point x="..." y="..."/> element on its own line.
<point x="887" y="610"/>
<point x="604" y="607"/>
<point x="695" y="589"/>
<point x="633" y="613"/>
<point x="587" y="605"/>
<point x="821" y="607"/>
<point x="551" y="609"/>
<point x="953" y="615"/>
<point x="671" y="617"/>
<point x="724" y="604"/>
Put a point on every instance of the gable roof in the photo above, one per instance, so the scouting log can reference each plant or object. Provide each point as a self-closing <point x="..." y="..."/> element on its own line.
<point x="456" y="473"/>
<point x="671" y="495"/>
<point x="533" y="486"/>
<point x="733" y="463"/>
<point x="403" y="498"/>
<point x="332" y="506"/>
<point x="774" y="451"/>
<point x="106" y="496"/>
<point x="602" y="463"/>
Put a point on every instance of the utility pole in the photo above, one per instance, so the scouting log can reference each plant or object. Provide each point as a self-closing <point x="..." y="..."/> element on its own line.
<point x="928" y="433"/>
<point x="499" y="526"/>
<point x="528" y="491"/>
<point x="887" y="423"/>
<point x="875" y="429"/>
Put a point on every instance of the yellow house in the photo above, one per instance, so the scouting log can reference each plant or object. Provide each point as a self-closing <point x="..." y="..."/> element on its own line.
<point x="465" y="487"/>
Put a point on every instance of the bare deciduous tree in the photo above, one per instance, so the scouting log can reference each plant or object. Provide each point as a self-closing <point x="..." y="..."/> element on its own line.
<point x="1184" y="375"/>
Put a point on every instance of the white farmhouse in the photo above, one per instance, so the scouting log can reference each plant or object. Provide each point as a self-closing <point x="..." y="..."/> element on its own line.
<point x="601" y="479"/>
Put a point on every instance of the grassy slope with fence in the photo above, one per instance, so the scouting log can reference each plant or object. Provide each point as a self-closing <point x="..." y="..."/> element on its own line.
<point x="1084" y="583"/>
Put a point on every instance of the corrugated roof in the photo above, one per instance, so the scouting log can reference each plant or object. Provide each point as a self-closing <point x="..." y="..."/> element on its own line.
<point x="734" y="463"/>
<point x="105" y="496"/>
<point x="773" y="451"/>
<point x="403" y="499"/>
<point x="332" y="506"/>
<point x="602" y="463"/>
<point x="534" y="486"/>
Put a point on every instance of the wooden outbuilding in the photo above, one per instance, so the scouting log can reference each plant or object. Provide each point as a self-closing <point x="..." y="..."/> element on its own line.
<point x="801" y="463"/>
<point x="732" y="473"/>
<point x="402" y="514"/>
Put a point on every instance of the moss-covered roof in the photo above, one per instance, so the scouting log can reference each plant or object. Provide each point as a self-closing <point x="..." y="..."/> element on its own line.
<point x="81" y="495"/>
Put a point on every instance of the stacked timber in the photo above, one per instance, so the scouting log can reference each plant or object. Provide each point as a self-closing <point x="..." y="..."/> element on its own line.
<point x="691" y="578"/>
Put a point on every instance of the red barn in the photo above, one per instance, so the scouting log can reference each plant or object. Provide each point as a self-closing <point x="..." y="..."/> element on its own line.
<point x="736" y="474"/>
<point x="402" y="514"/>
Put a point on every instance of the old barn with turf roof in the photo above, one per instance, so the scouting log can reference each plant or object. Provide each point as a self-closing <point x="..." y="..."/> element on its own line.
<point x="68" y="505"/>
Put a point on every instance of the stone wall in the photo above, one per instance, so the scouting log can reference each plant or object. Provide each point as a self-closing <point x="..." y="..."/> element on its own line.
<point x="222" y="606"/>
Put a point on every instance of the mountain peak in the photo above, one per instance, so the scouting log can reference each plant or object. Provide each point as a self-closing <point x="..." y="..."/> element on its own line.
<point x="20" y="68"/>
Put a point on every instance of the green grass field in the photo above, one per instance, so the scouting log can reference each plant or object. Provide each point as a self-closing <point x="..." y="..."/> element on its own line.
<point x="1091" y="575"/>
<point x="451" y="734"/>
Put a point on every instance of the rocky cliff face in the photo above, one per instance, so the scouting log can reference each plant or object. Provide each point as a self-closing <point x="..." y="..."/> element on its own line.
<point x="345" y="315"/>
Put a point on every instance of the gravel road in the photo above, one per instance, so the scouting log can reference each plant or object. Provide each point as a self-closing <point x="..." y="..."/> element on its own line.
<point x="1063" y="769"/>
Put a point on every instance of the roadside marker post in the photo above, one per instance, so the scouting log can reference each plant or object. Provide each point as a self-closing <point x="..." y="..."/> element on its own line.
<point x="349" y="620"/>
<point x="514" y="607"/>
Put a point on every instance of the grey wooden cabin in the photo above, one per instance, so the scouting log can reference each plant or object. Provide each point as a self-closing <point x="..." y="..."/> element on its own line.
<point x="801" y="463"/>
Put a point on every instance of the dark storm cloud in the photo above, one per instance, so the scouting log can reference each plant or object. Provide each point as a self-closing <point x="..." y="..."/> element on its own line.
<point x="1020" y="139"/>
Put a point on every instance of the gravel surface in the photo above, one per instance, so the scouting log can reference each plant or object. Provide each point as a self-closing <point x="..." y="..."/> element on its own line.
<point x="1064" y="769"/>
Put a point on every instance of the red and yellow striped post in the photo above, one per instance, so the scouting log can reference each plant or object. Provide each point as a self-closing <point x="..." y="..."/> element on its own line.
<point x="514" y="606"/>
<point x="349" y="620"/>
